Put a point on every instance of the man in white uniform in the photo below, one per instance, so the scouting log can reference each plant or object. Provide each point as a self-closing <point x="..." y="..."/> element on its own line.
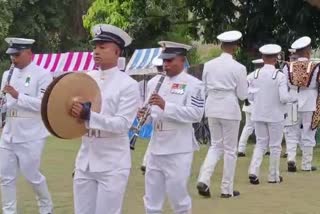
<point x="301" y="133"/>
<point x="178" y="104"/>
<point x="289" y="120"/>
<point x="158" y="63"/>
<point x="269" y="93"/>
<point x="249" y="125"/>
<point x="103" y="162"/>
<point x="225" y="82"/>
<point x="24" y="135"/>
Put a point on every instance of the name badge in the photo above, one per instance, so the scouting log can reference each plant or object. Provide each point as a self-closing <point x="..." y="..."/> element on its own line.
<point x="177" y="88"/>
<point x="27" y="82"/>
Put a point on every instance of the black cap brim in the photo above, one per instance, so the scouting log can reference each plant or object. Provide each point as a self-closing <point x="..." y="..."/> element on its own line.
<point x="11" y="51"/>
<point x="167" y="56"/>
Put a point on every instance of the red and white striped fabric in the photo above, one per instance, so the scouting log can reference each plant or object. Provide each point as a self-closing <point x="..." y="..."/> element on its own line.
<point x="65" y="62"/>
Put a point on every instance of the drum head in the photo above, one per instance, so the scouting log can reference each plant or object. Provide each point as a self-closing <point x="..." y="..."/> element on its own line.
<point x="57" y="102"/>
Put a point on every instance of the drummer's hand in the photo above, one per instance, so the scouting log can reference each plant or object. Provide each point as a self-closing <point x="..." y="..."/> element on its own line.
<point x="11" y="90"/>
<point x="76" y="109"/>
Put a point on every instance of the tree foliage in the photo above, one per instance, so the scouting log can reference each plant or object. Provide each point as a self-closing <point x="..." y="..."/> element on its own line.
<point x="147" y="21"/>
<point x="115" y="12"/>
<point x="53" y="24"/>
<point x="260" y="21"/>
<point x="6" y="17"/>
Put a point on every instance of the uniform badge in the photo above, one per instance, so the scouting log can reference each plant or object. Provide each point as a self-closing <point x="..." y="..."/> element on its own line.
<point x="177" y="88"/>
<point x="98" y="31"/>
<point x="27" y="82"/>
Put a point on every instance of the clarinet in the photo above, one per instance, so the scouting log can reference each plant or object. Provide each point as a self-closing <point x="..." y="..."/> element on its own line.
<point x="3" y="99"/>
<point x="141" y="121"/>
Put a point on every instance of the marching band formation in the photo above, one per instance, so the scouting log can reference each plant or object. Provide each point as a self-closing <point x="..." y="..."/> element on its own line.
<point x="278" y="102"/>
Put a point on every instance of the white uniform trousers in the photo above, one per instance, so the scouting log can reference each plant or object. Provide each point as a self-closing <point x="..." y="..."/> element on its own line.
<point x="25" y="157"/>
<point x="168" y="174"/>
<point x="224" y="140"/>
<point x="99" y="192"/>
<point x="303" y="135"/>
<point x="146" y="155"/>
<point x="246" y="132"/>
<point x="267" y="134"/>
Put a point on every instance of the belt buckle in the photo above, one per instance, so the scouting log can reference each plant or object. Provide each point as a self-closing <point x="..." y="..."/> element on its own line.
<point x="94" y="133"/>
<point x="13" y="113"/>
<point x="97" y="133"/>
<point x="159" y="126"/>
<point x="90" y="133"/>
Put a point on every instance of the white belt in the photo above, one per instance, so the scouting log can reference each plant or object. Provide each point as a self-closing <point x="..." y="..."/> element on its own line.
<point x="166" y="126"/>
<point x="221" y="92"/>
<point x="22" y="114"/>
<point x="103" y="134"/>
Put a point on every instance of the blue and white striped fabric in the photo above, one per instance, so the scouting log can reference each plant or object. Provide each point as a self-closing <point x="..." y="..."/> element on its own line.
<point x="141" y="62"/>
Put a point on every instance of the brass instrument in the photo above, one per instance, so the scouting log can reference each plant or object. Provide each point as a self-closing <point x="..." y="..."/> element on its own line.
<point x="141" y="121"/>
<point x="3" y="99"/>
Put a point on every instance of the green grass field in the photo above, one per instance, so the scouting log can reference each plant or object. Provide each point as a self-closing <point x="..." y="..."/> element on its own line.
<point x="297" y="195"/>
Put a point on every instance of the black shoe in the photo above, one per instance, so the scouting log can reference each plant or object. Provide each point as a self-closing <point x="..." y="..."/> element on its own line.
<point x="275" y="182"/>
<point x="241" y="154"/>
<point x="292" y="166"/>
<point x="313" y="168"/>
<point x="285" y="155"/>
<point x="267" y="154"/>
<point x="203" y="190"/>
<point x="254" y="179"/>
<point x="235" y="194"/>
<point x="143" y="169"/>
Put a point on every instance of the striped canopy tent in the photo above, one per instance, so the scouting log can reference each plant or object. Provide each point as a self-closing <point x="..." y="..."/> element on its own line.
<point x="141" y="62"/>
<point x="59" y="63"/>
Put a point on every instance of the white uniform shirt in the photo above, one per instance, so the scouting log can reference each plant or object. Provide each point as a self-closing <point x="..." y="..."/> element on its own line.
<point x="120" y="101"/>
<point x="225" y="82"/>
<point x="24" y="123"/>
<point x="245" y="108"/>
<point x="269" y="95"/>
<point x="307" y="97"/>
<point x="172" y="127"/>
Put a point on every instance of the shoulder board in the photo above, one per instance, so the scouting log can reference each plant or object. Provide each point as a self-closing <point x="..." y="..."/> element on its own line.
<point x="275" y="74"/>
<point x="256" y="73"/>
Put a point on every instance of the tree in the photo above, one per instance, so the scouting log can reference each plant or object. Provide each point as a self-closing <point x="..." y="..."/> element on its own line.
<point x="53" y="24"/>
<point x="5" y="18"/>
<point x="147" y="21"/>
<point x="260" y="21"/>
<point x="116" y="12"/>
